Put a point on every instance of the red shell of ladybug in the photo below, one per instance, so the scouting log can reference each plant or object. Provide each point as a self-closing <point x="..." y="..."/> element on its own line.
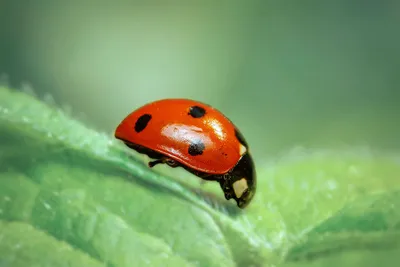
<point x="197" y="137"/>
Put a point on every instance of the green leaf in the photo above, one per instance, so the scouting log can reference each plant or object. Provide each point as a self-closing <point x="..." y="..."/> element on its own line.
<point x="23" y="245"/>
<point x="364" y="233"/>
<point x="70" y="195"/>
<point x="307" y="187"/>
<point x="88" y="190"/>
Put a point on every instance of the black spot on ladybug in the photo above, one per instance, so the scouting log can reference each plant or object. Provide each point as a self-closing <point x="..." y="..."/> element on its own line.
<point x="240" y="138"/>
<point x="196" y="148"/>
<point x="197" y="112"/>
<point x="142" y="122"/>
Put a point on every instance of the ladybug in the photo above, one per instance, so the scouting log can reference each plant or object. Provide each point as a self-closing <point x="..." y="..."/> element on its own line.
<point x="197" y="137"/>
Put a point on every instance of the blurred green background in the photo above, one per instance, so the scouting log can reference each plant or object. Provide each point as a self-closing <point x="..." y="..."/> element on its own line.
<point x="288" y="73"/>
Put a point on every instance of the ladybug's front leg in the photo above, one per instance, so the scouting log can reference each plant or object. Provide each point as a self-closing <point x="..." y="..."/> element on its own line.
<point x="226" y="187"/>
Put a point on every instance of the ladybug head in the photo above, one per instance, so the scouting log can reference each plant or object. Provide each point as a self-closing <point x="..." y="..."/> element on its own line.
<point x="240" y="182"/>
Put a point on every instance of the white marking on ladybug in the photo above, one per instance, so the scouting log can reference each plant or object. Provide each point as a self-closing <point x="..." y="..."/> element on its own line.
<point x="242" y="149"/>
<point x="239" y="187"/>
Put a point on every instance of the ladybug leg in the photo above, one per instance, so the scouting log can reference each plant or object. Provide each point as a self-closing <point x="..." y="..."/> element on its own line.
<point x="155" y="162"/>
<point x="170" y="162"/>
<point x="226" y="187"/>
